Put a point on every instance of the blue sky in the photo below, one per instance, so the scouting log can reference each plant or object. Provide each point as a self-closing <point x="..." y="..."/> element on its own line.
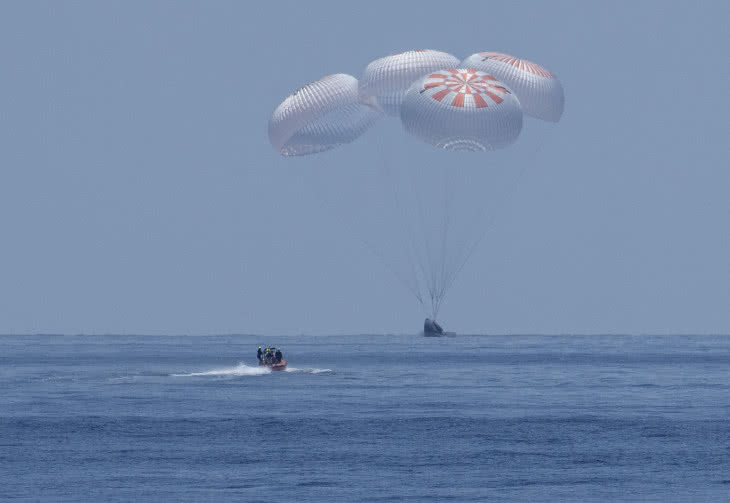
<point x="139" y="193"/>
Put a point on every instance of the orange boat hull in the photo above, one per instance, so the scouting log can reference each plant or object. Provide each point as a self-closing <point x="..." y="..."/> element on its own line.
<point x="274" y="366"/>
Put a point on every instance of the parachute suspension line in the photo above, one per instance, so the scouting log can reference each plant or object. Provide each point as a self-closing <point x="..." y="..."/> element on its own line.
<point x="410" y="251"/>
<point x="414" y="287"/>
<point x="409" y="246"/>
<point x="413" y="247"/>
<point x="485" y="230"/>
<point x="322" y="199"/>
<point x="511" y="189"/>
<point x="444" y="233"/>
<point x="428" y="272"/>
<point x="447" y="201"/>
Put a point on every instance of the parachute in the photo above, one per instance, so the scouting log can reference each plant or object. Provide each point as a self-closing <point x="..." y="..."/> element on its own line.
<point x="458" y="109"/>
<point x="320" y="116"/>
<point x="386" y="80"/>
<point x="538" y="89"/>
<point x="421" y="210"/>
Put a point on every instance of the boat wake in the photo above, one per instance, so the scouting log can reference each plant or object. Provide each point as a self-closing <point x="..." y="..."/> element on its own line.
<point x="307" y="371"/>
<point x="239" y="370"/>
<point x="245" y="370"/>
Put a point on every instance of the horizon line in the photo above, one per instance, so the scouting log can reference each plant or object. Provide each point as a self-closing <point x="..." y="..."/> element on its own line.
<point x="241" y="334"/>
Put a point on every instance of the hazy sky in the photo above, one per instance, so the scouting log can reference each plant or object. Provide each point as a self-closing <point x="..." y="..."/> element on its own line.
<point x="139" y="192"/>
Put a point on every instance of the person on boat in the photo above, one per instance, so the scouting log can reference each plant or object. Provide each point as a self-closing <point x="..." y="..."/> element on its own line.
<point x="258" y="353"/>
<point x="278" y="355"/>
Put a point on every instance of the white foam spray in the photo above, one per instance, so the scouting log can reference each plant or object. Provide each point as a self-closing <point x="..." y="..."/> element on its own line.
<point x="307" y="371"/>
<point x="245" y="370"/>
<point x="239" y="370"/>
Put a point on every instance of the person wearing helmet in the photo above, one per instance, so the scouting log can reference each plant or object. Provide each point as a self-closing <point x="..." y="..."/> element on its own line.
<point x="278" y="356"/>
<point x="258" y="353"/>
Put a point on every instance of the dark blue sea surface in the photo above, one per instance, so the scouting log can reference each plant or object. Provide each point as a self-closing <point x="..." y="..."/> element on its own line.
<point x="365" y="418"/>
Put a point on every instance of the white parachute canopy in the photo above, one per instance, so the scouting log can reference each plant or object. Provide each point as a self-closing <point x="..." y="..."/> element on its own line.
<point x="386" y="80"/>
<point x="320" y="116"/>
<point x="538" y="89"/>
<point x="462" y="109"/>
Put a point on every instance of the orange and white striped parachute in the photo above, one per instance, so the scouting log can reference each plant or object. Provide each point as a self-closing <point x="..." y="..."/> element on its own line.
<point x="462" y="109"/>
<point x="538" y="89"/>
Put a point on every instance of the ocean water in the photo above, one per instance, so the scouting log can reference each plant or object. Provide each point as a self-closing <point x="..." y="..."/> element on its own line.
<point x="365" y="418"/>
